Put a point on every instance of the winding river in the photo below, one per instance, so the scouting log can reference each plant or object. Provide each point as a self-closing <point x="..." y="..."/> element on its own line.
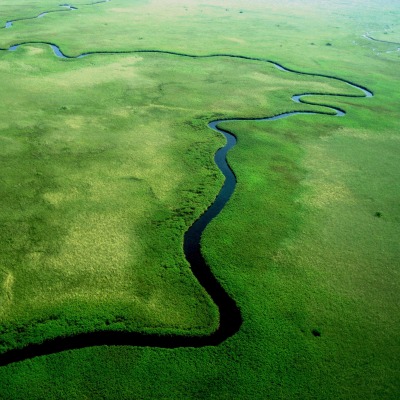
<point x="230" y="316"/>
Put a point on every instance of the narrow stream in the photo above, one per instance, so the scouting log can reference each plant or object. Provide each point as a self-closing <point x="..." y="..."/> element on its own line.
<point x="369" y="37"/>
<point x="68" y="7"/>
<point x="230" y="316"/>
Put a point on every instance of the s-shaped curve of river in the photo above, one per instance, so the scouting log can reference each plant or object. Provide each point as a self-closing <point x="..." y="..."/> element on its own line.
<point x="230" y="316"/>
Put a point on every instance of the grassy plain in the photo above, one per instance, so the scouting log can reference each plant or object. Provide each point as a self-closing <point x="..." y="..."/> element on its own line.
<point x="102" y="178"/>
<point x="106" y="160"/>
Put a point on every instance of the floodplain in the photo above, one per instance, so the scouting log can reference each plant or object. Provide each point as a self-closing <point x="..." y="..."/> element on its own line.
<point x="107" y="160"/>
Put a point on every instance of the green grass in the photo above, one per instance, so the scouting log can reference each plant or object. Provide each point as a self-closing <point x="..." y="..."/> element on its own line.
<point x="103" y="177"/>
<point x="107" y="160"/>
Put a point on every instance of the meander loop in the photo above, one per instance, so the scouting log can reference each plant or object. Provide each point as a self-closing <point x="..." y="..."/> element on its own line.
<point x="230" y="316"/>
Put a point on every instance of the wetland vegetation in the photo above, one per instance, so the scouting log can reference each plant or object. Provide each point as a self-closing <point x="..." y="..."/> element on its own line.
<point x="107" y="160"/>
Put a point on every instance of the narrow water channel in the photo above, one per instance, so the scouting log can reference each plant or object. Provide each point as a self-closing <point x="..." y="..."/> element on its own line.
<point x="230" y="316"/>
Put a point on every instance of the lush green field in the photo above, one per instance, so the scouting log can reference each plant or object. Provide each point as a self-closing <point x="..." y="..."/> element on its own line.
<point x="106" y="160"/>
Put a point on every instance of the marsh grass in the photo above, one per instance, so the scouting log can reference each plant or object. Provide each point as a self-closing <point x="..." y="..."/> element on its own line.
<point x="105" y="162"/>
<point x="103" y="177"/>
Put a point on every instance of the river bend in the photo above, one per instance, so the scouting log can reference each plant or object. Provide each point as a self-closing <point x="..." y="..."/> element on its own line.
<point x="230" y="316"/>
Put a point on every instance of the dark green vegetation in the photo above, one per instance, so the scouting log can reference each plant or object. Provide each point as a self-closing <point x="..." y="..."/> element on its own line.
<point x="107" y="160"/>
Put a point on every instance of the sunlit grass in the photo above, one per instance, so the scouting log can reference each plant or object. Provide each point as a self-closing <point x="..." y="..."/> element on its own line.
<point x="114" y="163"/>
<point x="106" y="160"/>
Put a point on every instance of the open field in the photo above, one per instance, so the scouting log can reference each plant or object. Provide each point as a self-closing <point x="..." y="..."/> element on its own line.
<point x="107" y="160"/>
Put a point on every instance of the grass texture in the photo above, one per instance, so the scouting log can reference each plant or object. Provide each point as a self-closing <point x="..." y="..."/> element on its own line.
<point x="106" y="160"/>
